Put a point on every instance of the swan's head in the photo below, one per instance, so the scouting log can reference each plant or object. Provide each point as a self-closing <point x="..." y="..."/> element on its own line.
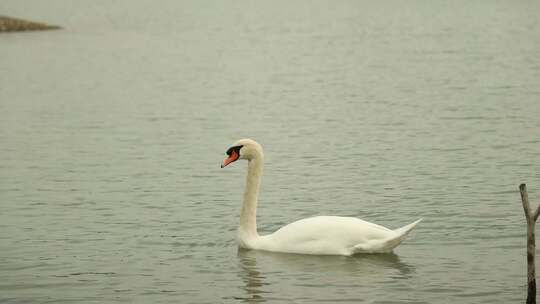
<point x="243" y="149"/>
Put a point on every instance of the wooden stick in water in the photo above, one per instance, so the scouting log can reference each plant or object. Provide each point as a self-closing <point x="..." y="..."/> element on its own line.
<point x="531" y="221"/>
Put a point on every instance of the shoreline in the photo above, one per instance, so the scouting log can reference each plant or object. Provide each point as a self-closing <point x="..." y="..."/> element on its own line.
<point x="9" y="24"/>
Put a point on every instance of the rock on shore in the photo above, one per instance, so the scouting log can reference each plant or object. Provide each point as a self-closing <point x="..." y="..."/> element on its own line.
<point x="8" y="24"/>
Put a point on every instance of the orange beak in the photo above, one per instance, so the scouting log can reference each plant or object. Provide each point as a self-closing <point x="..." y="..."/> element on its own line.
<point x="232" y="158"/>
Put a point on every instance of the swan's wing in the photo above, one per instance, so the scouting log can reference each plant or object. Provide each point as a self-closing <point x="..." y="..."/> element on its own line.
<point x="324" y="235"/>
<point x="331" y="226"/>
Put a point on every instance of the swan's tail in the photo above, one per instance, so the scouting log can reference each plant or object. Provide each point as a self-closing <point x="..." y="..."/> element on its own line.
<point x="386" y="245"/>
<point x="403" y="231"/>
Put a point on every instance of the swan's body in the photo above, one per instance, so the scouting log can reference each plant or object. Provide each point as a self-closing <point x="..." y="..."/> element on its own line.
<point x="324" y="235"/>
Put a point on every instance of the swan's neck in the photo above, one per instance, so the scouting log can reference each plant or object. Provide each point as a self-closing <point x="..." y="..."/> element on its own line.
<point x="248" y="215"/>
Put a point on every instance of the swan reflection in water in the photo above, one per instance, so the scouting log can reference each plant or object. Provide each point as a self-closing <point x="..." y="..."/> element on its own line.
<point x="268" y="276"/>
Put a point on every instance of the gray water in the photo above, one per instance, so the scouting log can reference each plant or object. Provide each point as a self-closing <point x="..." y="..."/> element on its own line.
<point x="112" y="131"/>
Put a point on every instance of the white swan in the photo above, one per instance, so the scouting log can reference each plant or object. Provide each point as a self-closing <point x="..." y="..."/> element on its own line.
<point x="324" y="235"/>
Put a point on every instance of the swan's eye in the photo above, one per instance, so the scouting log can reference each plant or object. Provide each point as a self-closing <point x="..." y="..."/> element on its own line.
<point x="235" y="148"/>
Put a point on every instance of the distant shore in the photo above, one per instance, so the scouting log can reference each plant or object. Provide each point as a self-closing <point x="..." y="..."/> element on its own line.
<point x="9" y="24"/>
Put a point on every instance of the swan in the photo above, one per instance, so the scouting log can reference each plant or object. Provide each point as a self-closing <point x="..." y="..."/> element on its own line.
<point x="320" y="235"/>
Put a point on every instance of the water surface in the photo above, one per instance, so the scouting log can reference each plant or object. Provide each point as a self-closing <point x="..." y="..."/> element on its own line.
<point x="112" y="131"/>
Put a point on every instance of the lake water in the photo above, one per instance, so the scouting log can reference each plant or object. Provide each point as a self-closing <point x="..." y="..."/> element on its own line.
<point x="112" y="131"/>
